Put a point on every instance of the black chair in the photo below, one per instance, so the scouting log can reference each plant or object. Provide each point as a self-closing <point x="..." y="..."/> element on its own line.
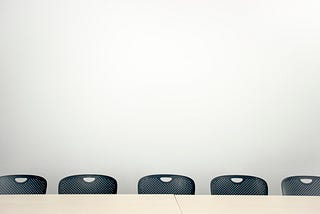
<point x="301" y="185"/>
<point x="166" y="184"/>
<point x="22" y="184"/>
<point x="238" y="185"/>
<point x="88" y="184"/>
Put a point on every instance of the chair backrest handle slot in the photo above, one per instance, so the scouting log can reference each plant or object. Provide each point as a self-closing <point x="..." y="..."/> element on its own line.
<point x="21" y="180"/>
<point x="89" y="179"/>
<point x="166" y="179"/>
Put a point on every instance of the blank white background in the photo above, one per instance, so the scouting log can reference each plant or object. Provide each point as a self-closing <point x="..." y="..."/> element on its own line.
<point x="135" y="87"/>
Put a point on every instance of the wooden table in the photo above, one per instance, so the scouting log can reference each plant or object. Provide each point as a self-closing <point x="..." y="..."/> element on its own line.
<point x="88" y="204"/>
<point x="157" y="204"/>
<point x="203" y="204"/>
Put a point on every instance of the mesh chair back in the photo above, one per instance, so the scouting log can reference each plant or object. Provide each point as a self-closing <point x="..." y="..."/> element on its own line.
<point x="22" y="184"/>
<point x="88" y="184"/>
<point x="166" y="184"/>
<point x="301" y="185"/>
<point x="238" y="185"/>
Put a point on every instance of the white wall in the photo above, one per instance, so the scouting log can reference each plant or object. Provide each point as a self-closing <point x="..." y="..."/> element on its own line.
<point x="129" y="88"/>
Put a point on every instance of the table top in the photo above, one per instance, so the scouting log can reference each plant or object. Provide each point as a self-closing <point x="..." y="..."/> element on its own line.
<point x="203" y="204"/>
<point x="85" y="204"/>
<point x="156" y="204"/>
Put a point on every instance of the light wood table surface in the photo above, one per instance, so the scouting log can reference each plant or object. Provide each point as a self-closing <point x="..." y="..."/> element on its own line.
<point x="157" y="204"/>
<point x="88" y="204"/>
<point x="205" y="204"/>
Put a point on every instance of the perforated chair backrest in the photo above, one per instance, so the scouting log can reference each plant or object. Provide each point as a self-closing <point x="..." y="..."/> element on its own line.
<point x="166" y="184"/>
<point x="301" y="185"/>
<point x="22" y="184"/>
<point x="238" y="185"/>
<point x="88" y="184"/>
